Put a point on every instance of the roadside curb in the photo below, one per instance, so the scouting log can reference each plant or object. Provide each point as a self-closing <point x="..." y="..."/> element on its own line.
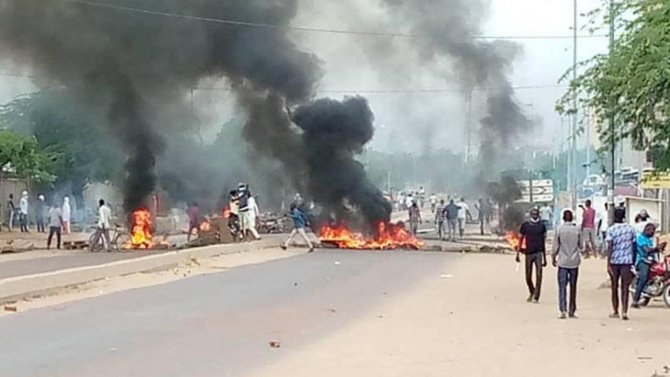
<point x="21" y="286"/>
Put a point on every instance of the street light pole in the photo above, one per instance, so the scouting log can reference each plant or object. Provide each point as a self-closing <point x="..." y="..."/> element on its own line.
<point x="610" y="196"/>
<point x="573" y="129"/>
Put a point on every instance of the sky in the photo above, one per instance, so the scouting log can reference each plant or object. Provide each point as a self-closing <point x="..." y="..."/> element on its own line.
<point x="392" y="76"/>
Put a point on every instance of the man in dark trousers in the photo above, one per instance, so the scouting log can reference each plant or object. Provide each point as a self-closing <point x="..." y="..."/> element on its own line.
<point x="533" y="236"/>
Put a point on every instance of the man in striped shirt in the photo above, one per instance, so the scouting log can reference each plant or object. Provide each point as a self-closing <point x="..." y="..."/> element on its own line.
<point x="439" y="219"/>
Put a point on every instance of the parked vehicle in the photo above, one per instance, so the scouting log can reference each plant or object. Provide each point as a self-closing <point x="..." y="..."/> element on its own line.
<point x="658" y="284"/>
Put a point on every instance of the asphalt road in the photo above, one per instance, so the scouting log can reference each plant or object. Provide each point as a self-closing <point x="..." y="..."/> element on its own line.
<point x="212" y="325"/>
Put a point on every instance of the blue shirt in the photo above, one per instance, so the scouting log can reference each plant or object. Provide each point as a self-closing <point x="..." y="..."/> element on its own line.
<point x="622" y="237"/>
<point x="299" y="219"/>
<point x="642" y="241"/>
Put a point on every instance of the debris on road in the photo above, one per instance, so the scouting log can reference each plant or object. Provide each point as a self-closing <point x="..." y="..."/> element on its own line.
<point x="446" y="276"/>
<point x="275" y="344"/>
<point x="11" y="308"/>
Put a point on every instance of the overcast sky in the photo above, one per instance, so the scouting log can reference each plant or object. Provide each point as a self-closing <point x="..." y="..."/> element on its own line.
<point x="365" y="64"/>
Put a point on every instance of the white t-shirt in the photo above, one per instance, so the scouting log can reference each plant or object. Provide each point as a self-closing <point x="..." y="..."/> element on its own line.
<point x="463" y="211"/>
<point x="409" y="200"/>
<point x="104" y="216"/>
<point x="433" y="199"/>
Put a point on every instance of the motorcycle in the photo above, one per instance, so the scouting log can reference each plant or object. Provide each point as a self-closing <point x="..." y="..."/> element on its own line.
<point x="658" y="284"/>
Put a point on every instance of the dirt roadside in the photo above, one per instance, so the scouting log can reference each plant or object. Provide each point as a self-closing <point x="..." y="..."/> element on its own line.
<point x="473" y="321"/>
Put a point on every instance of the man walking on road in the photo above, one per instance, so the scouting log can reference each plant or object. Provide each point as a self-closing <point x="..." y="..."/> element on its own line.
<point x="414" y="218"/>
<point x="299" y="224"/>
<point x="439" y="219"/>
<point x="104" y="217"/>
<point x="40" y="214"/>
<point x="11" y="212"/>
<point x="23" y="208"/>
<point x="463" y="214"/>
<point x="566" y="256"/>
<point x="620" y="256"/>
<point x="589" y="230"/>
<point x="534" y="236"/>
<point x="55" y="223"/>
<point x="452" y="218"/>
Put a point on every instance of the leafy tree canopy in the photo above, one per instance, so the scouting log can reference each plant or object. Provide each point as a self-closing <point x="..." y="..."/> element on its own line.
<point x="631" y="85"/>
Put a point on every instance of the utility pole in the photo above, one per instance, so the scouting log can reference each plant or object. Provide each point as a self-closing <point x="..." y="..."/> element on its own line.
<point x="610" y="196"/>
<point x="573" y="129"/>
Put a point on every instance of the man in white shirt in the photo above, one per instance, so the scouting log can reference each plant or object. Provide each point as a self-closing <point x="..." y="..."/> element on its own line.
<point x="23" y="206"/>
<point x="104" y="217"/>
<point x="463" y="213"/>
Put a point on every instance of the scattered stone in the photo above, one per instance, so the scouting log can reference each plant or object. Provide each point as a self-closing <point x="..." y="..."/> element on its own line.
<point x="11" y="308"/>
<point x="274" y="344"/>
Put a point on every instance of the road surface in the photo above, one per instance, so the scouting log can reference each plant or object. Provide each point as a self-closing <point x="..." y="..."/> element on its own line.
<point x="340" y="313"/>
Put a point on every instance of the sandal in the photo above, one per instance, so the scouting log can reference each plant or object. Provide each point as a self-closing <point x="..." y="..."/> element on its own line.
<point x="624" y="317"/>
<point x="614" y="315"/>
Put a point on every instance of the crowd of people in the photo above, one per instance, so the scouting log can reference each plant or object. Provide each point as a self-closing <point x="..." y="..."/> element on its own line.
<point x="13" y="214"/>
<point x="629" y="252"/>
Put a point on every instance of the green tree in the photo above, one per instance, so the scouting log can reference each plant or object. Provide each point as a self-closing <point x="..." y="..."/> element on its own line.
<point x="631" y="85"/>
<point x="21" y="156"/>
<point x="79" y="150"/>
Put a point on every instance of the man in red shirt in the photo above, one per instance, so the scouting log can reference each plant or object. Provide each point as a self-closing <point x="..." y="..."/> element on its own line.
<point x="589" y="230"/>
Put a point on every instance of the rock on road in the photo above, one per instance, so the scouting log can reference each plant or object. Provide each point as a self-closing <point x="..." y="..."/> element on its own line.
<point x="339" y="313"/>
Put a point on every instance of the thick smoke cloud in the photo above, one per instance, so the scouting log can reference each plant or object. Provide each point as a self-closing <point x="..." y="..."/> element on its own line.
<point x="445" y="29"/>
<point x="333" y="133"/>
<point x="131" y="66"/>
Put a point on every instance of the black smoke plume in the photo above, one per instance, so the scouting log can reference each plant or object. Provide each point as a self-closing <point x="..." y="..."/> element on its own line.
<point x="333" y="133"/>
<point x="448" y="29"/>
<point x="131" y="66"/>
<point x="506" y="192"/>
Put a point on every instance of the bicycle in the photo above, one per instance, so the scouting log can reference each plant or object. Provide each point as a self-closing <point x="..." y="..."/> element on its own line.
<point x="118" y="237"/>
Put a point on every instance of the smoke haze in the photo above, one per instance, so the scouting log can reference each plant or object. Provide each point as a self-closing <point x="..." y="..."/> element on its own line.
<point x="130" y="66"/>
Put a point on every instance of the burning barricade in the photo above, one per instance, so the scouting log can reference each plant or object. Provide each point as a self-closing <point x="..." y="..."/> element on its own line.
<point x="388" y="237"/>
<point x="141" y="232"/>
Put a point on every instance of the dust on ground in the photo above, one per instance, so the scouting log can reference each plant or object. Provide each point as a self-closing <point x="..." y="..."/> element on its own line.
<point x="473" y="320"/>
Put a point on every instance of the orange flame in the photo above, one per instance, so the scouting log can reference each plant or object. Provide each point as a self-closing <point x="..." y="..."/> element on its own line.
<point x="514" y="239"/>
<point x="140" y="235"/>
<point x="204" y="226"/>
<point x="389" y="236"/>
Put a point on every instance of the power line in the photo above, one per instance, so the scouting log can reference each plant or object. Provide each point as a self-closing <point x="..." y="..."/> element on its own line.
<point x="364" y="91"/>
<point x="308" y="29"/>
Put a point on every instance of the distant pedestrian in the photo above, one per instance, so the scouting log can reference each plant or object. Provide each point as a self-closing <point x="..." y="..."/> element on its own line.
<point x="566" y="256"/>
<point x="439" y="219"/>
<point x="193" y="220"/>
<point x="589" y="230"/>
<point x="23" y="211"/>
<point x="103" y="226"/>
<point x="620" y="257"/>
<point x="299" y="224"/>
<point x="463" y="215"/>
<point x="55" y="223"/>
<point x="414" y="218"/>
<point x="433" y="202"/>
<point x="248" y="214"/>
<point x="547" y="216"/>
<point x="11" y="212"/>
<point x="451" y="213"/>
<point x="534" y="236"/>
<point x="484" y="209"/>
<point x="66" y="213"/>
<point x="40" y="213"/>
